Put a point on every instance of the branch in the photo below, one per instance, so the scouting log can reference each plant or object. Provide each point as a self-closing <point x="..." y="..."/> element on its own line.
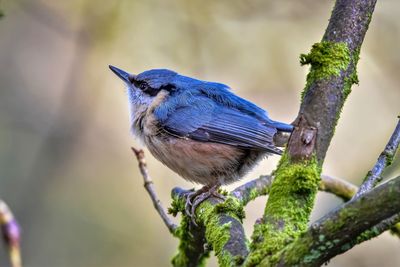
<point x="253" y="189"/>
<point x="11" y="234"/>
<point x="344" y="227"/>
<point x="261" y="186"/>
<point x="192" y="249"/>
<point x="331" y="76"/>
<point x="222" y="226"/>
<point x="148" y="184"/>
<point x="333" y="72"/>
<point x="385" y="159"/>
<point x="338" y="187"/>
<point x="281" y="139"/>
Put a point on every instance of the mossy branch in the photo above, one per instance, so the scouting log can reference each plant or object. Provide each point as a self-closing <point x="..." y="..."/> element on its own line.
<point x="219" y="227"/>
<point x="351" y="223"/>
<point x="281" y="236"/>
<point x="253" y="189"/>
<point x="262" y="185"/>
<point x="285" y="217"/>
<point x="192" y="250"/>
<point x="333" y="68"/>
<point x="333" y="71"/>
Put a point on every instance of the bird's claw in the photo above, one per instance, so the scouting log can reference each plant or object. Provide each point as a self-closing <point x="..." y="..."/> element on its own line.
<point x="194" y="199"/>
<point x="189" y="196"/>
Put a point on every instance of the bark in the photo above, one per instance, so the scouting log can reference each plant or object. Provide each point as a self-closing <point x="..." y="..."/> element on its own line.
<point x="346" y="226"/>
<point x="333" y="71"/>
<point x="219" y="226"/>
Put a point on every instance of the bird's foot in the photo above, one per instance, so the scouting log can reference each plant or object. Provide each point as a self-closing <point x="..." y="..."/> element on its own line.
<point x="194" y="199"/>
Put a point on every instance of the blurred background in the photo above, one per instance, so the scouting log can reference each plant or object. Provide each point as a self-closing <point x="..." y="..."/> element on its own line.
<point x="66" y="168"/>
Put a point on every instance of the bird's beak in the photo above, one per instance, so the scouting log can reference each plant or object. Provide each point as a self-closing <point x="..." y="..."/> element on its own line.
<point x="125" y="76"/>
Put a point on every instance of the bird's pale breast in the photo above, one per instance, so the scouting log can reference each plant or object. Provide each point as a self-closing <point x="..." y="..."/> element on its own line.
<point x="203" y="163"/>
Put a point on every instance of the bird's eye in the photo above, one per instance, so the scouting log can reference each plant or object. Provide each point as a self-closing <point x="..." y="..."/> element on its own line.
<point x="146" y="88"/>
<point x="143" y="86"/>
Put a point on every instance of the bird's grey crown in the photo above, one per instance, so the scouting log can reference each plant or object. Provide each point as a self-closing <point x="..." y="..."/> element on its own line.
<point x="156" y="74"/>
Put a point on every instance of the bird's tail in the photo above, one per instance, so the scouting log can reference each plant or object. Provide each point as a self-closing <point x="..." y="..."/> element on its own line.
<point x="281" y="126"/>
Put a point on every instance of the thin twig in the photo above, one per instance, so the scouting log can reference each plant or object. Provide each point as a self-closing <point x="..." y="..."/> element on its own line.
<point x="11" y="234"/>
<point x="385" y="159"/>
<point x="253" y="189"/>
<point x="261" y="185"/>
<point x="148" y="184"/>
<point x="338" y="187"/>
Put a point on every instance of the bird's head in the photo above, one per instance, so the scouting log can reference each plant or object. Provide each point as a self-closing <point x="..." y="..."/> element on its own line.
<point x="144" y="87"/>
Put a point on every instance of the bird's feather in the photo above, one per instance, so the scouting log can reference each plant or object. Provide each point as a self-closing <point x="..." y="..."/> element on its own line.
<point x="208" y="117"/>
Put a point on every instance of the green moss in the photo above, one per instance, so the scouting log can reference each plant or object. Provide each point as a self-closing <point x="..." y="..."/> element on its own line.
<point x="288" y="209"/>
<point x="395" y="230"/>
<point x="191" y="241"/>
<point x="352" y="78"/>
<point x="187" y="249"/>
<point x="339" y="223"/>
<point x="177" y="205"/>
<point x="327" y="59"/>
<point x="322" y="244"/>
<point x="369" y="234"/>
<point x="231" y="206"/>
<point x="216" y="234"/>
<point x="348" y="83"/>
<point x="223" y="192"/>
<point x="389" y="158"/>
<point x="345" y="247"/>
<point x="303" y="248"/>
<point x="313" y="255"/>
<point x="253" y="194"/>
<point x="226" y="259"/>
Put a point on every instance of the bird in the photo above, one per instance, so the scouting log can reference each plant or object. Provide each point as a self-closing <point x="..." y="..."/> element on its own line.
<point x="201" y="130"/>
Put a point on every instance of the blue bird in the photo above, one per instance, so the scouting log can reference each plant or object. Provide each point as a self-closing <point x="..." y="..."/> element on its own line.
<point x="201" y="130"/>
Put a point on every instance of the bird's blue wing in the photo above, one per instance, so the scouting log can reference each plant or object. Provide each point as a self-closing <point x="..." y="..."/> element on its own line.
<point x="232" y="127"/>
<point x="203" y="119"/>
<point x="221" y="94"/>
